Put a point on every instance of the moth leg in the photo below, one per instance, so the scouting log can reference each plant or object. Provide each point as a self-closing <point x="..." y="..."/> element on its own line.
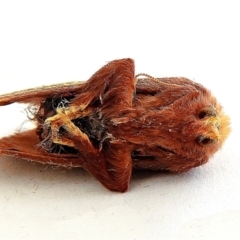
<point x="76" y="110"/>
<point x="112" y="166"/>
<point x="75" y="132"/>
<point x="62" y="120"/>
<point x="73" y="112"/>
<point x="61" y="140"/>
<point x="63" y="116"/>
<point x="55" y="123"/>
<point x="114" y="83"/>
<point x="119" y="167"/>
<point x="121" y="85"/>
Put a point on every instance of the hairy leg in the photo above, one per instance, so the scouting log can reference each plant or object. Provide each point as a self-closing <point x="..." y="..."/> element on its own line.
<point x="113" y="84"/>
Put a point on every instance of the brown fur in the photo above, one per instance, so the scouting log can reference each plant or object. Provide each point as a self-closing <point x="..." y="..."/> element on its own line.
<point x="115" y="122"/>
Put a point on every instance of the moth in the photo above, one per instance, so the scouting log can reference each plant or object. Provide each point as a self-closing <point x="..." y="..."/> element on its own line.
<point x="118" y="121"/>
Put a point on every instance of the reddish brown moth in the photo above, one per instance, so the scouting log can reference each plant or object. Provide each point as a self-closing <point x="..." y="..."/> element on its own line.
<point x="116" y="122"/>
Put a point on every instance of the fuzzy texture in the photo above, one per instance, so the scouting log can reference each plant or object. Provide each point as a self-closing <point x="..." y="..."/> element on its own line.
<point x="116" y="121"/>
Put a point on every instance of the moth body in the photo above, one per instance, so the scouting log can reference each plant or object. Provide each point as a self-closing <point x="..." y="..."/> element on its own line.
<point x="116" y="121"/>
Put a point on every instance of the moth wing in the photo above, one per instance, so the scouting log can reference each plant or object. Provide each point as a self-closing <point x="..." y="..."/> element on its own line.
<point x="35" y="95"/>
<point x="25" y="145"/>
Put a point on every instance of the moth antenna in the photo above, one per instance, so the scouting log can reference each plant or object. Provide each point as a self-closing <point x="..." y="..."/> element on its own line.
<point x="144" y="75"/>
<point x="153" y="78"/>
<point x="147" y="75"/>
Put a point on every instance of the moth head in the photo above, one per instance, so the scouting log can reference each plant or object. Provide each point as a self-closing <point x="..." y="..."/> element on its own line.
<point x="215" y="126"/>
<point x="199" y="128"/>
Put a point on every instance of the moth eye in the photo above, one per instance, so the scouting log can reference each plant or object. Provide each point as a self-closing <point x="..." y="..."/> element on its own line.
<point x="205" y="140"/>
<point x="207" y="111"/>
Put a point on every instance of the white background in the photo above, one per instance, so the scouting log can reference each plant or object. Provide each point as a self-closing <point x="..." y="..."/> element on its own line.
<point x="45" y="42"/>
